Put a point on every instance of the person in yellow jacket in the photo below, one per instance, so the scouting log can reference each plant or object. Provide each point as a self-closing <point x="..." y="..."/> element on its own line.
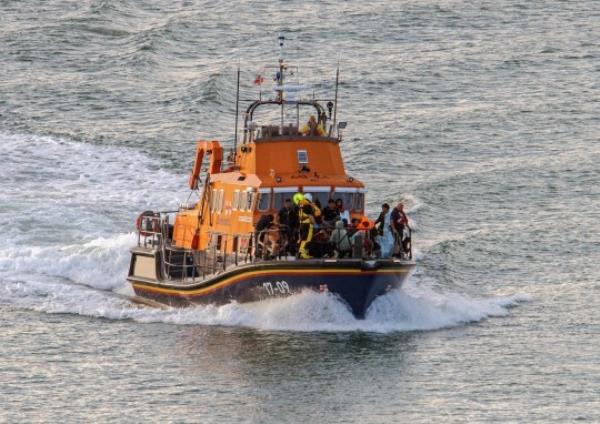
<point x="312" y="127"/>
<point x="307" y="213"/>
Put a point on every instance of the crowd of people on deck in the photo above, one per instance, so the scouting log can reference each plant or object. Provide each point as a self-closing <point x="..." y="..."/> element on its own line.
<point x="302" y="228"/>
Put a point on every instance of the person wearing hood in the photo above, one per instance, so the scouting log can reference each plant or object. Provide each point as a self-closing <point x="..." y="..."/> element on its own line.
<point x="340" y="239"/>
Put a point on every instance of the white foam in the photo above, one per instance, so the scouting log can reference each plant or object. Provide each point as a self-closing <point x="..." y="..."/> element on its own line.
<point x="71" y="206"/>
<point x="409" y="309"/>
<point x="101" y="263"/>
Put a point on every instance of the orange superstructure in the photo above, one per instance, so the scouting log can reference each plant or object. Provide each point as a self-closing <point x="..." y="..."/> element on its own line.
<point x="264" y="171"/>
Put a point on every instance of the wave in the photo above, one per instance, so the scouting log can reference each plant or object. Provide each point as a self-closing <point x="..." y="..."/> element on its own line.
<point x="58" y="190"/>
<point x="413" y="308"/>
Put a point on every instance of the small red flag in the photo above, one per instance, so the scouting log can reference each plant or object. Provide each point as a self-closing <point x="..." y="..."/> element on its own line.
<point x="259" y="80"/>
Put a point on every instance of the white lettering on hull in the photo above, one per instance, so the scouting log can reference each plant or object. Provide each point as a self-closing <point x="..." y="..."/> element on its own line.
<point x="276" y="287"/>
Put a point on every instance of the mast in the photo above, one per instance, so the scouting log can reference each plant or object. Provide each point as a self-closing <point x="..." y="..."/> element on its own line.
<point x="237" y="113"/>
<point x="281" y="38"/>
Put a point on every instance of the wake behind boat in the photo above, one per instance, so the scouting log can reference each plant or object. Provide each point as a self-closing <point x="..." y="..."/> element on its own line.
<point x="245" y="241"/>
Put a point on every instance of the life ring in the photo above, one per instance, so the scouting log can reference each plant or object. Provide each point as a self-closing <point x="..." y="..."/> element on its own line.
<point x="365" y="224"/>
<point x="147" y="227"/>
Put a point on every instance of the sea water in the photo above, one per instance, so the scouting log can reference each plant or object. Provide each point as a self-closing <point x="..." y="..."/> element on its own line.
<point x="481" y="117"/>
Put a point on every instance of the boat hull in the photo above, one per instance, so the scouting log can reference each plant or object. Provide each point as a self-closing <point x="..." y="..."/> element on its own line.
<point x="357" y="283"/>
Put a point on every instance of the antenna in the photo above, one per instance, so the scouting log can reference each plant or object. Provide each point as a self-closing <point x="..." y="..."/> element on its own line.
<point x="281" y="39"/>
<point x="279" y="75"/>
<point x="337" y="83"/>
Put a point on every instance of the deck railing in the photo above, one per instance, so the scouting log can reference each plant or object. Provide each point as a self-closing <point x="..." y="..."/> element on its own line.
<point x="227" y="250"/>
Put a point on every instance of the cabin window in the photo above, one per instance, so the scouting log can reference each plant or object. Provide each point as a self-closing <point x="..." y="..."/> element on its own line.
<point x="213" y="200"/>
<point x="359" y="202"/>
<point x="221" y="200"/>
<point x="243" y="199"/>
<point x="282" y="193"/>
<point x="250" y="200"/>
<point x="347" y="199"/>
<point x="264" y="201"/>
<point x="302" y="157"/>
<point x="215" y="240"/>
<point x="236" y="200"/>
<point x="320" y="194"/>
<point x="319" y="199"/>
<point x="278" y="199"/>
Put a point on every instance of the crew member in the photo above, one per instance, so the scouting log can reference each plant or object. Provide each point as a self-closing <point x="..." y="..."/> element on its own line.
<point x="312" y="127"/>
<point x="306" y="215"/>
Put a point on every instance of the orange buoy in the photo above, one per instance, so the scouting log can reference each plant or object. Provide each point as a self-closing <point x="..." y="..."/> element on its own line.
<point x="145" y="226"/>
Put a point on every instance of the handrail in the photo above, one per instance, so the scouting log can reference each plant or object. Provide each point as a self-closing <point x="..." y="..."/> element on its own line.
<point x="268" y="244"/>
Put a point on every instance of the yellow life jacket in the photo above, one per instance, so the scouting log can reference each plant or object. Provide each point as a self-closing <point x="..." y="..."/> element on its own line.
<point x="305" y="217"/>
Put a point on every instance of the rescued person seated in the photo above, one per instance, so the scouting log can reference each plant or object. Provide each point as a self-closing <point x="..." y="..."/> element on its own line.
<point x="320" y="246"/>
<point x="341" y="240"/>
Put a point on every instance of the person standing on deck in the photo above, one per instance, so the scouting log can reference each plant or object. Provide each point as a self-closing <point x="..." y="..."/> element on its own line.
<point x="330" y="213"/>
<point x="399" y="221"/>
<point x="344" y="213"/>
<point x="289" y="224"/>
<point x="385" y="239"/>
<point x="306" y="215"/>
<point x="312" y="127"/>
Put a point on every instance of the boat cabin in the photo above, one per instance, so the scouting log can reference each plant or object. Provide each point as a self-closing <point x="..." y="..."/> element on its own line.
<point x="286" y="146"/>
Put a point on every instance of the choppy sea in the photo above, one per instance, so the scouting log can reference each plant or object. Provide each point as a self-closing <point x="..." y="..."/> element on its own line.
<point x="483" y="117"/>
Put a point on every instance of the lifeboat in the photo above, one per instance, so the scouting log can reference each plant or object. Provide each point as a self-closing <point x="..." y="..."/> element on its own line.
<point x="230" y="244"/>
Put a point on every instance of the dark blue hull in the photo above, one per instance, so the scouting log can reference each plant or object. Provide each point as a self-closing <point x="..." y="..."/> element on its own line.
<point x="355" y="282"/>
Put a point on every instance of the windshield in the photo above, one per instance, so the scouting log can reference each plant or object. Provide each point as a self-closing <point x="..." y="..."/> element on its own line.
<point x="319" y="198"/>
<point x="264" y="201"/>
<point x="345" y="197"/>
<point x="359" y="202"/>
<point x="291" y="119"/>
<point x="279" y="198"/>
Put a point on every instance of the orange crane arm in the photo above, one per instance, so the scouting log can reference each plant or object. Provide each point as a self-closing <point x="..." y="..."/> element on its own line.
<point x="212" y="148"/>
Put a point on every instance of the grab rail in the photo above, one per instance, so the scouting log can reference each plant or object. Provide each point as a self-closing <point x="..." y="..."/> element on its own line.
<point x="269" y="244"/>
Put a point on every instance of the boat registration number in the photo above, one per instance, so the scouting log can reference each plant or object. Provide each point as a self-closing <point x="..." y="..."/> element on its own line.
<point x="276" y="287"/>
